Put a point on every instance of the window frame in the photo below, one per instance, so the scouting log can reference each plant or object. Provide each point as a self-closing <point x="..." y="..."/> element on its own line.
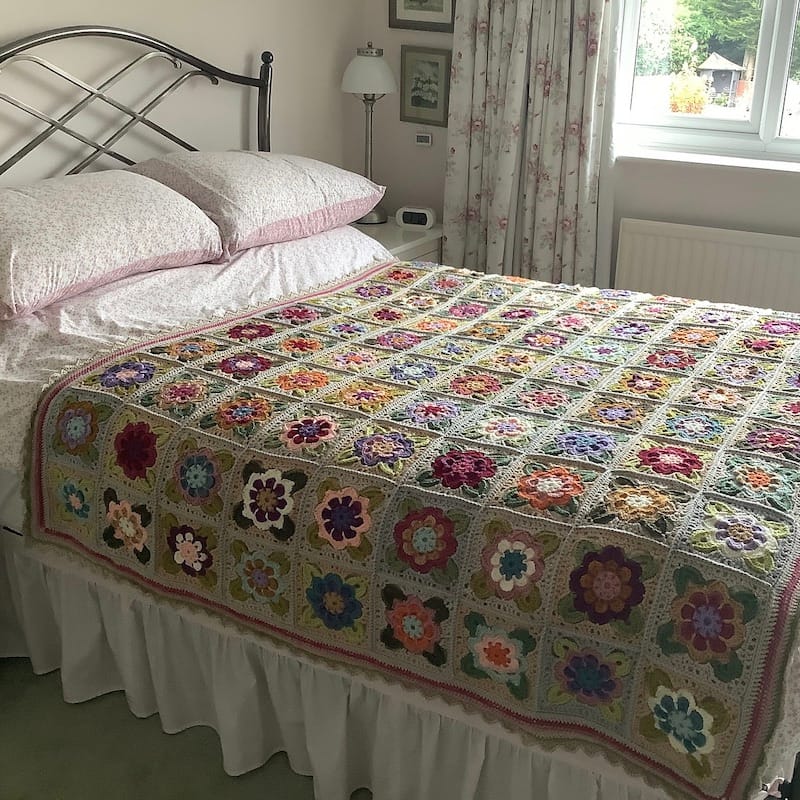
<point x="757" y="137"/>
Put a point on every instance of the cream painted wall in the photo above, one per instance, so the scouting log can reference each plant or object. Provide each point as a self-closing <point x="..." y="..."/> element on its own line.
<point x="312" y="41"/>
<point x="413" y="175"/>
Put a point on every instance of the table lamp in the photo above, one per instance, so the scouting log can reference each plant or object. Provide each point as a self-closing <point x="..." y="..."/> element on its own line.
<point x="369" y="76"/>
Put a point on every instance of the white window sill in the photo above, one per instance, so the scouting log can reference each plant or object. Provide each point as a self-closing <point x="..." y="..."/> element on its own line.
<point x="638" y="153"/>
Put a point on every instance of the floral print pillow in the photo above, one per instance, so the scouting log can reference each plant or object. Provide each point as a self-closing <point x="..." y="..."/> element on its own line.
<point x="63" y="236"/>
<point x="263" y="198"/>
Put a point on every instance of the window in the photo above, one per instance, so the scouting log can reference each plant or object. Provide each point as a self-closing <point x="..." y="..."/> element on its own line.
<point x="717" y="76"/>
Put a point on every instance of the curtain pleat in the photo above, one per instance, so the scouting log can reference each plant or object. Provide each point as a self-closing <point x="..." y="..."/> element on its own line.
<point x="527" y="102"/>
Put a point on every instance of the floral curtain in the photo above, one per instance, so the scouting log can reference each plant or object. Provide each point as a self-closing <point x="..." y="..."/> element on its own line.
<point x="527" y="101"/>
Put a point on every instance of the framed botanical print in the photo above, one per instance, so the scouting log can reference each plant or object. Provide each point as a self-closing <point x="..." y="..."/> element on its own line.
<point x="422" y="15"/>
<point x="424" y="85"/>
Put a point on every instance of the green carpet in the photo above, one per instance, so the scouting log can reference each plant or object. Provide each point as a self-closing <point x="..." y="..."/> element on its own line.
<point x="51" y="750"/>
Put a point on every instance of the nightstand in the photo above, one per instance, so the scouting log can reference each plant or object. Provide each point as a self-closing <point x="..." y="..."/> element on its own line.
<point x="407" y="244"/>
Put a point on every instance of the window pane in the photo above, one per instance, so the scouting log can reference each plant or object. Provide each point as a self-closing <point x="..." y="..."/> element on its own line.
<point x="696" y="58"/>
<point x="790" y="119"/>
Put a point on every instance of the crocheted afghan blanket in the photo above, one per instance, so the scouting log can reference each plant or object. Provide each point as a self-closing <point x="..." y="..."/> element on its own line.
<point x="569" y="509"/>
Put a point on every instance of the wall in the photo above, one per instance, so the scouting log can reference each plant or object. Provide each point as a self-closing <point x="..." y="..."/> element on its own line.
<point x="312" y="41"/>
<point x="749" y="196"/>
<point x="413" y="175"/>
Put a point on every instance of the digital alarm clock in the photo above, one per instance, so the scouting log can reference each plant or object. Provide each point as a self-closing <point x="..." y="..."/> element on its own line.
<point x="415" y="217"/>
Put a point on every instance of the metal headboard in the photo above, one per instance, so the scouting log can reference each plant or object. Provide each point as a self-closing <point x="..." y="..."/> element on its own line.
<point x="17" y="52"/>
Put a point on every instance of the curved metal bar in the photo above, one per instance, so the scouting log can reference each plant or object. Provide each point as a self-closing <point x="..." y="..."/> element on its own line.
<point x="15" y="50"/>
<point x="61" y="127"/>
<point x="98" y="94"/>
<point x="140" y="117"/>
<point x="56" y="34"/>
<point x="78" y="107"/>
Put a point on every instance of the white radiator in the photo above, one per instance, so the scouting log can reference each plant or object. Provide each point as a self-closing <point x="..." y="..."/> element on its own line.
<point x="753" y="269"/>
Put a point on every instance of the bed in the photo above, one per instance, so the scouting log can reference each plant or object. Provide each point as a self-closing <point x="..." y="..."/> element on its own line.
<point x="431" y="532"/>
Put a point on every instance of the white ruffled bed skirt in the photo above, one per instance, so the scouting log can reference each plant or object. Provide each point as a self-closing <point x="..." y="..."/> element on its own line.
<point x="346" y="730"/>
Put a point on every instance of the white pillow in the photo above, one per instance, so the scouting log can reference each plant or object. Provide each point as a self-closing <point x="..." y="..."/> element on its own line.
<point x="261" y="198"/>
<point x="62" y="236"/>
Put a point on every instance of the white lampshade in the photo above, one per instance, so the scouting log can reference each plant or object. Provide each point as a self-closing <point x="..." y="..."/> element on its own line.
<point x="368" y="73"/>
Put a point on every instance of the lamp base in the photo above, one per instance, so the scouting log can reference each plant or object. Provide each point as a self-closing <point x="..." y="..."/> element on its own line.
<point x="375" y="217"/>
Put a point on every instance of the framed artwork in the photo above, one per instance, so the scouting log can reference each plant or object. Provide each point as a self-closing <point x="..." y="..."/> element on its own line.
<point x="422" y="15"/>
<point x="424" y="85"/>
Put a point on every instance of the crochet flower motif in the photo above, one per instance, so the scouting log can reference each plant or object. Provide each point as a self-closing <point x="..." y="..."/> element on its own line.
<point x="776" y="441"/>
<point x="334" y="602"/>
<point x="127" y="374"/>
<point x="181" y="394"/>
<point x="671" y="359"/>
<point x="607" y="585"/>
<point x="512" y="564"/>
<point x="781" y="327"/>
<point x="544" y="400"/>
<point x="383" y="448"/>
<point x="742" y="536"/>
<point x="127" y="526"/>
<point x="550" y="488"/>
<point x="74" y="499"/>
<point x="718" y="397"/>
<point x="76" y="427"/>
<point x="695" y="427"/>
<point x="741" y="371"/>
<point x="670" y="461"/>
<point x="250" y="331"/>
<point x="413" y="371"/>
<point x="708" y="622"/>
<point x="342" y="517"/>
<point x="593" y="445"/>
<point x="189" y="349"/>
<point x="414" y="625"/>
<point x="244" y="365"/>
<point x="189" y="550"/>
<point x="425" y="539"/>
<point x="298" y="345"/>
<point x="763" y="481"/>
<point x="309" y="432"/>
<point x="299" y="315"/>
<point x="354" y="360"/>
<point x="467" y="310"/>
<point x="647" y="384"/>
<point x="582" y="374"/>
<point x="364" y="395"/>
<point x="428" y="412"/>
<point x="499" y="655"/>
<point x="685" y="725"/>
<point x="242" y="413"/>
<point x="136" y="451"/>
<point x="475" y="385"/>
<point x="616" y="412"/>
<point x="197" y="476"/>
<point x="302" y="380"/>
<point x="399" y="340"/>
<point x="586" y="676"/>
<point x="543" y="340"/>
<point x="267" y="499"/>
<point x="457" y="468"/>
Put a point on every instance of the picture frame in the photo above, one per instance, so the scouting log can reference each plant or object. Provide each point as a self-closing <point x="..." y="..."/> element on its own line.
<point x="422" y="15"/>
<point x="424" y="85"/>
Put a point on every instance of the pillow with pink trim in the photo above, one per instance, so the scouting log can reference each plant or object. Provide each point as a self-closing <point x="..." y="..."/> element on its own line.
<point x="262" y="198"/>
<point x="62" y="236"/>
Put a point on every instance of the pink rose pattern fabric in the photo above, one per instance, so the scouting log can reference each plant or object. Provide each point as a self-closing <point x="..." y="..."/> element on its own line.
<point x="527" y="102"/>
